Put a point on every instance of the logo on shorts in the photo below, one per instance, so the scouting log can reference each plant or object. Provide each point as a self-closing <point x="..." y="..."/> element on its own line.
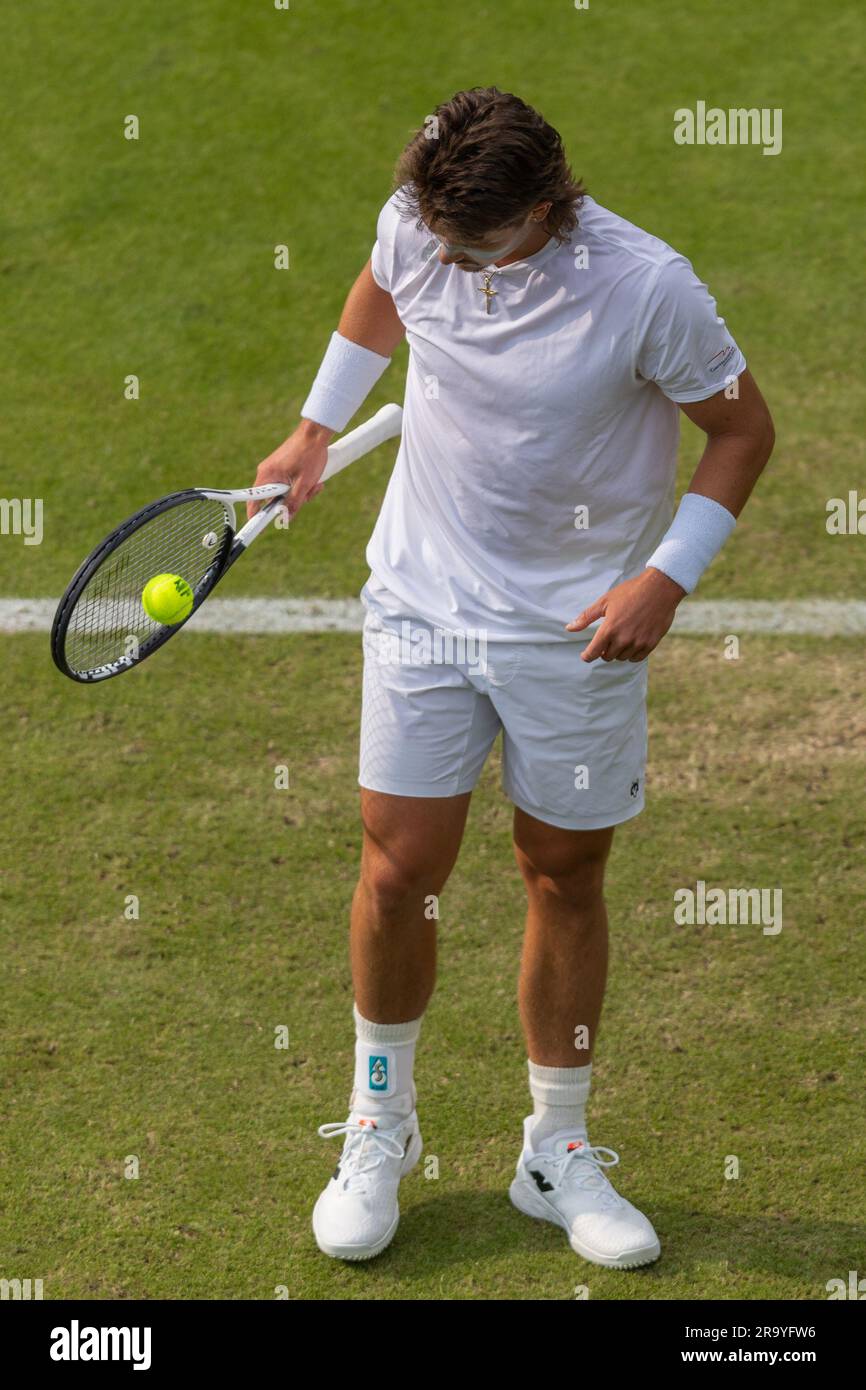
<point x="635" y="788"/>
<point x="378" y="1073"/>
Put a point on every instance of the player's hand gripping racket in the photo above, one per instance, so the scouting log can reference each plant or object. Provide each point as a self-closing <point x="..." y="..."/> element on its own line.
<point x="101" y="627"/>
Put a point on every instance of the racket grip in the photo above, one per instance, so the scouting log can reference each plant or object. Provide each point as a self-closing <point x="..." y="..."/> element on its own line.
<point x="385" y="424"/>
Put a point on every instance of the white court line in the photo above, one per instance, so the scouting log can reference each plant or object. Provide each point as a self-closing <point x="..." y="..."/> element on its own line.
<point x="796" y="617"/>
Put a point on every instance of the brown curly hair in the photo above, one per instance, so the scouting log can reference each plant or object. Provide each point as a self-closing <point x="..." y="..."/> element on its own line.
<point x="481" y="162"/>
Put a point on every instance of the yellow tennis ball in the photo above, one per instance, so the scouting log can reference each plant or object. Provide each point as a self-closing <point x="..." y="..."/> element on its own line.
<point x="167" y="599"/>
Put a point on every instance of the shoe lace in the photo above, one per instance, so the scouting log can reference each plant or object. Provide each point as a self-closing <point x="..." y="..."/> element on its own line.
<point x="584" y="1166"/>
<point x="364" y="1151"/>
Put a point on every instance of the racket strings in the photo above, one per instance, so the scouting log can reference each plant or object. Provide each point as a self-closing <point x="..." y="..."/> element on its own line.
<point x="108" y="621"/>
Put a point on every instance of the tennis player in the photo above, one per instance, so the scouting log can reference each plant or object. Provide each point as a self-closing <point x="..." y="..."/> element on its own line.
<point x="523" y="566"/>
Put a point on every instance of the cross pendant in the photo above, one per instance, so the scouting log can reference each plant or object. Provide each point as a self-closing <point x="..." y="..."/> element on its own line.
<point x="486" y="290"/>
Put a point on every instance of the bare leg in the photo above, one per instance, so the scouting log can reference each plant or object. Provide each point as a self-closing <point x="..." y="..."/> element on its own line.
<point x="410" y="846"/>
<point x="564" y="965"/>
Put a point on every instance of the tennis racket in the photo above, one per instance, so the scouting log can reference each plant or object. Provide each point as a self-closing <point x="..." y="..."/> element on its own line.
<point x="100" y="628"/>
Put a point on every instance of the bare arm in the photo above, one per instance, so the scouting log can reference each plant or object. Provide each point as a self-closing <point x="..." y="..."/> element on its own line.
<point x="370" y="319"/>
<point x="740" y="437"/>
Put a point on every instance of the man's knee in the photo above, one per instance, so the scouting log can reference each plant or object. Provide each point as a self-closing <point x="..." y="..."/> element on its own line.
<point x="565" y="864"/>
<point x="396" y="881"/>
<point x="410" y="846"/>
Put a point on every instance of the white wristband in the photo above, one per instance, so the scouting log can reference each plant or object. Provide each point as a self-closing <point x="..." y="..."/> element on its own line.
<point x="343" y="382"/>
<point x="693" y="540"/>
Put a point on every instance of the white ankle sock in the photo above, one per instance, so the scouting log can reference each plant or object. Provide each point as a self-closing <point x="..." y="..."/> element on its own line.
<point x="559" y="1096"/>
<point x="384" y="1060"/>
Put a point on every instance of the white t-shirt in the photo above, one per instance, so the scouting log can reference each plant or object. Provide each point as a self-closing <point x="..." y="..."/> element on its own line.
<point x="537" y="464"/>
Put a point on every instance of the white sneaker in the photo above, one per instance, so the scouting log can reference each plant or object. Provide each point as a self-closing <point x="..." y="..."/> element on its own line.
<point x="357" y="1214"/>
<point x="563" y="1182"/>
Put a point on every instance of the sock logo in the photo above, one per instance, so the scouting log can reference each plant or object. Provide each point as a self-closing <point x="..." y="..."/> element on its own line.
<point x="378" y="1073"/>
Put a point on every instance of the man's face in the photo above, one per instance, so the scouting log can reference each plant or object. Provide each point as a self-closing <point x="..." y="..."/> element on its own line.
<point x="486" y="250"/>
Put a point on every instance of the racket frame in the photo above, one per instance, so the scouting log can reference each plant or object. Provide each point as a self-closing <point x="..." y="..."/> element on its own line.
<point x="95" y="561"/>
<point x="384" y="425"/>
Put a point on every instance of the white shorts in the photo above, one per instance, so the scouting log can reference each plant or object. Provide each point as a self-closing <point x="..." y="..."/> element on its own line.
<point x="574" y="736"/>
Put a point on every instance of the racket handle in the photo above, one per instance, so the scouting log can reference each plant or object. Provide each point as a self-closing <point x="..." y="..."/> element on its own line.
<point x="385" y="424"/>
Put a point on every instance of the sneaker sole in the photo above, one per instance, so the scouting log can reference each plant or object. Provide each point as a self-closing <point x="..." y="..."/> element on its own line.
<point x="531" y="1203"/>
<point x="357" y="1253"/>
<point x="369" y="1252"/>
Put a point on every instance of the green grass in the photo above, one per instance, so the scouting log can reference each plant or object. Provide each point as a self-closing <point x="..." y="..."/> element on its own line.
<point x="155" y="1037"/>
<point x="261" y="127"/>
